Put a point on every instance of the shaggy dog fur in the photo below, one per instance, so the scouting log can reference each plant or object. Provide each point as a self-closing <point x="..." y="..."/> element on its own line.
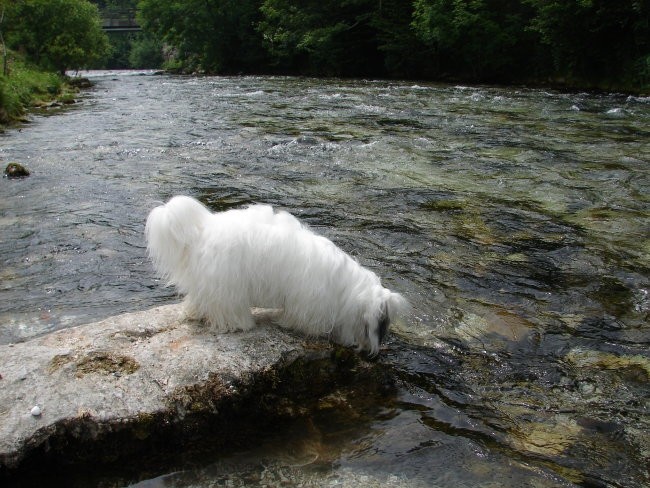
<point x="227" y="262"/>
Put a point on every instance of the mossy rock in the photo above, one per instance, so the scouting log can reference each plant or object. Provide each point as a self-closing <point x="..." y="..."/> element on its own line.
<point x="443" y="205"/>
<point x="80" y="82"/>
<point x="16" y="170"/>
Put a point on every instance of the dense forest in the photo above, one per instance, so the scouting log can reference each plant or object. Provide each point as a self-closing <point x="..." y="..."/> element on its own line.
<point x="580" y="43"/>
<point x="588" y="43"/>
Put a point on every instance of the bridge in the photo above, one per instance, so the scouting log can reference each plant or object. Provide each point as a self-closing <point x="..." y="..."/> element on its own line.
<point x="119" y="20"/>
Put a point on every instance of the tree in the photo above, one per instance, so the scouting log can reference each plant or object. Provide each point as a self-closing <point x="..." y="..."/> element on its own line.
<point x="210" y="35"/>
<point x="600" y="40"/>
<point x="146" y="52"/>
<point x="477" y="39"/>
<point x="331" y="37"/>
<point x="3" y="10"/>
<point x="405" y="55"/>
<point x="57" y="34"/>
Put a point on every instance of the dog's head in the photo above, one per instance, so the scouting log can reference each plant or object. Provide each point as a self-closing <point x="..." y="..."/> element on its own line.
<point x="383" y="323"/>
<point x="171" y="231"/>
<point x="377" y="323"/>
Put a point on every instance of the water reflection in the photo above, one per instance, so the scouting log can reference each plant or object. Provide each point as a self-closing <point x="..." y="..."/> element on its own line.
<point x="514" y="220"/>
<point x="414" y="440"/>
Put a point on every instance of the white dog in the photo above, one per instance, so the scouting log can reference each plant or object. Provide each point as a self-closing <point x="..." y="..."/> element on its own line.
<point x="225" y="263"/>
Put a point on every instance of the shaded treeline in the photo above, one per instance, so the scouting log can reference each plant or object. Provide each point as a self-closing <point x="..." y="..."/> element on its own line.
<point x="597" y="43"/>
<point x="581" y="43"/>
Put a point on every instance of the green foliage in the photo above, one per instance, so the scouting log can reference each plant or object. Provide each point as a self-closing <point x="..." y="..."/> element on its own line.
<point x="589" y="42"/>
<point x="596" y="39"/>
<point x="129" y="48"/>
<point x="477" y="39"/>
<point x="209" y="35"/>
<point x="10" y="106"/>
<point x="405" y="55"/>
<point x="121" y="45"/>
<point x="331" y="37"/>
<point x="146" y="52"/>
<point x="57" y="34"/>
<point x="597" y="43"/>
<point x="26" y="86"/>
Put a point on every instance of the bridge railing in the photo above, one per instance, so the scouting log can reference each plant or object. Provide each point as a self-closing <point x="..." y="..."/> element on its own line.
<point x="119" y="20"/>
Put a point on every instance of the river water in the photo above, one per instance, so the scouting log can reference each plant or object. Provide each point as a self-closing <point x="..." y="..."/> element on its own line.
<point x="515" y="221"/>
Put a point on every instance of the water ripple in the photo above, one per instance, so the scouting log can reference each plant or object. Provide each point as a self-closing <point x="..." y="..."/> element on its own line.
<point x="514" y="220"/>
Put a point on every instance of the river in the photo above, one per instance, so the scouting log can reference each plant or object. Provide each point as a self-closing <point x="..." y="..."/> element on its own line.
<point x="514" y="220"/>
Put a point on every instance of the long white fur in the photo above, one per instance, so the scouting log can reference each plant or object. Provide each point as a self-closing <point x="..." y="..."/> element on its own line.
<point x="227" y="262"/>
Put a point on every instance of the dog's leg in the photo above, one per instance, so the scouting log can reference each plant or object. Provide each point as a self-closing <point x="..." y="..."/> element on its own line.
<point x="231" y="318"/>
<point x="191" y="313"/>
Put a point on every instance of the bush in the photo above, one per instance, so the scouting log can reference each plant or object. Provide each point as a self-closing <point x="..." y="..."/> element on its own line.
<point x="27" y="86"/>
<point x="146" y="52"/>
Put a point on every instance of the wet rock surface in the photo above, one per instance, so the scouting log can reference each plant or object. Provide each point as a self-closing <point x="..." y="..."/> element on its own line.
<point x="80" y="82"/>
<point x="16" y="170"/>
<point x="152" y="382"/>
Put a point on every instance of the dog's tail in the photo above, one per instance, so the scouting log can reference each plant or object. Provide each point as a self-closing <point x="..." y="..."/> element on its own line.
<point x="170" y="230"/>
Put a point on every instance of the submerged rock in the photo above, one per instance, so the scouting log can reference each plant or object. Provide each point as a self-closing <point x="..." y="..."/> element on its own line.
<point x="80" y="82"/>
<point x="549" y="438"/>
<point x="139" y="382"/>
<point x="634" y="368"/>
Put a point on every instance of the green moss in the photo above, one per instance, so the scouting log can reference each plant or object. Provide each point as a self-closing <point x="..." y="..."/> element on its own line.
<point x="106" y="363"/>
<point x="443" y="205"/>
<point x="471" y="225"/>
<point x="59" y="361"/>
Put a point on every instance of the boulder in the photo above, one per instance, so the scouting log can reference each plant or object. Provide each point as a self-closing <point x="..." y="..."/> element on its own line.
<point x="113" y="390"/>
<point x="16" y="170"/>
<point x="80" y="82"/>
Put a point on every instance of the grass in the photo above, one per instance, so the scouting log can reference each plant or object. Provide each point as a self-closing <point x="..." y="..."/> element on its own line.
<point x="25" y="87"/>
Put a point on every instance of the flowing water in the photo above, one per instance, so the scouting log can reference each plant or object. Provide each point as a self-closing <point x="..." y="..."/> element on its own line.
<point x="515" y="221"/>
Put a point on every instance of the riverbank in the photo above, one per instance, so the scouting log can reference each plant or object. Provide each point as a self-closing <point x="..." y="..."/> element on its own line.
<point x="27" y="88"/>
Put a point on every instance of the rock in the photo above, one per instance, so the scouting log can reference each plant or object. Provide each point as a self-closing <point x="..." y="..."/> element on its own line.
<point x="80" y="82"/>
<point x="130" y="384"/>
<point x="16" y="170"/>
<point x="634" y="368"/>
<point x="550" y="438"/>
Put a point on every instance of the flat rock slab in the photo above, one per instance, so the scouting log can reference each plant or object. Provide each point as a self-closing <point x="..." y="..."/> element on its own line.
<point x="88" y="380"/>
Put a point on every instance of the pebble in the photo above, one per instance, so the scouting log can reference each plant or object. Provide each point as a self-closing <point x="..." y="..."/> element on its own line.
<point x="36" y="411"/>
